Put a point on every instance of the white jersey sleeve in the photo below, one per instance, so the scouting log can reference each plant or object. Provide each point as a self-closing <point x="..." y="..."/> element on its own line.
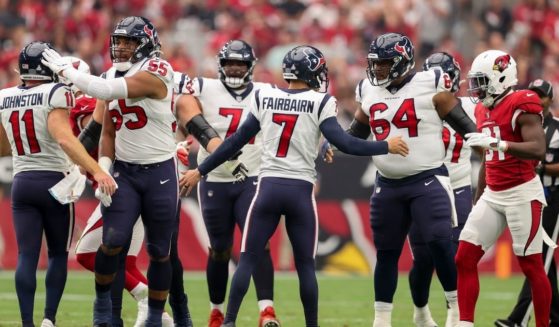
<point x="225" y="110"/>
<point x="145" y="127"/>
<point x="406" y="111"/>
<point x="24" y="113"/>
<point x="290" y="126"/>
<point x="458" y="154"/>
<point x="183" y="83"/>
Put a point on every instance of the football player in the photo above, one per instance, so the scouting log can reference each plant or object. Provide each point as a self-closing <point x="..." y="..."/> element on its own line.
<point x="291" y="121"/>
<point x="34" y="118"/>
<point x="509" y="193"/>
<point x="396" y="101"/>
<point x="86" y="248"/>
<point x="459" y="167"/>
<point x="138" y="131"/>
<point x="224" y="202"/>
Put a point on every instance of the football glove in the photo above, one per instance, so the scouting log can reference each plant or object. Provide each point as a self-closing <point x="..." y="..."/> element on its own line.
<point x="485" y="141"/>
<point x="105" y="199"/>
<point x="236" y="167"/>
<point x="54" y="61"/>
<point x="182" y="152"/>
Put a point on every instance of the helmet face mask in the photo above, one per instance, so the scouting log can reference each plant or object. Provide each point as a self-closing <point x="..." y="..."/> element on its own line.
<point x="307" y="64"/>
<point x="232" y="59"/>
<point x="30" y="66"/>
<point x="492" y="74"/>
<point x="133" y="39"/>
<point x="396" y="52"/>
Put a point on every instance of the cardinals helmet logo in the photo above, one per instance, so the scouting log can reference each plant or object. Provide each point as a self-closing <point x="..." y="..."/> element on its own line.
<point x="502" y="63"/>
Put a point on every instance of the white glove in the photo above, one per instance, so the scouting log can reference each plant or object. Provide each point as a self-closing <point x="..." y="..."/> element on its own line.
<point x="54" y="61"/>
<point x="70" y="188"/>
<point x="237" y="169"/>
<point x="105" y="199"/>
<point x="485" y="141"/>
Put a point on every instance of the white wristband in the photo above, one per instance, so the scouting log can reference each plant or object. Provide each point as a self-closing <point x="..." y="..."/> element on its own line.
<point x="105" y="163"/>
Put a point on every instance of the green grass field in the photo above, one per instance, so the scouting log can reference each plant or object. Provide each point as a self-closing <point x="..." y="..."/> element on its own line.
<point x="344" y="301"/>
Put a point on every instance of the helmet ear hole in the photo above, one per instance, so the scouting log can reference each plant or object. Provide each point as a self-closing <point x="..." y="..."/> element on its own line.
<point x="502" y="79"/>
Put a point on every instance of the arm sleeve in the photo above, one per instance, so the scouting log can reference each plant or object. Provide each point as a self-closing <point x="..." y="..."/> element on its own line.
<point x="97" y="87"/>
<point x="359" y="130"/>
<point x="231" y="145"/>
<point x="349" y="144"/>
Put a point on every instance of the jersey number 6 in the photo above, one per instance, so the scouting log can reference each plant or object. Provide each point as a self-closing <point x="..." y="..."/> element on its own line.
<point x="405" y="117"/>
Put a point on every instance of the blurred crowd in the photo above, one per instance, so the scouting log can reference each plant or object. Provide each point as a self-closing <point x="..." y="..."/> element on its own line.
<point x="192" y="32"/>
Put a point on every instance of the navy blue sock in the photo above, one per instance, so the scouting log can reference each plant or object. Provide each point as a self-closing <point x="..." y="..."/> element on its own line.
<point x="442" y="252"/>
<point x="386" y="275"/>
<point x="55" y="282"/>
<point x="159" y="279"/>
<point x="26" y="284"/>
<point x="102" y="308"/>
<point x="217" y="275"/>
<point x="239" y="285"/>
<point x="308" y="289"/>
<point x="178" y="300"/>
<point x="421" y="274"/>
<point x="263" y="276"/>
<point x="117" y="288"/>
<point x="105" y="265"/>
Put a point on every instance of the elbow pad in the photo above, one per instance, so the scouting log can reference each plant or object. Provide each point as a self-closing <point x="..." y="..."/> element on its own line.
<point x="459" y="120"/>
<point x="199" y="128"/>
<point x="359" y="130"/>
<point x="90" y="135"/>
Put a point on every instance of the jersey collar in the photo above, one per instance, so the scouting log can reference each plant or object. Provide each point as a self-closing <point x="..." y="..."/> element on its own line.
<point x="240" y="96"/>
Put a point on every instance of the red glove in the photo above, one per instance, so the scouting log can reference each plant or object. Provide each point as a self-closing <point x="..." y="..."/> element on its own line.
<point x="183" y="149"/>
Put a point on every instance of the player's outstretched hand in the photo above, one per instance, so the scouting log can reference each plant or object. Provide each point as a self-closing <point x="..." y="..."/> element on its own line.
<point x="188" y="181"/>
<point x="183" y="149"/>
<point x="398" y="146"/>
<point x="485" y="141"/>
<point x="326" y="152"/>
<point x="54" y="61"/>
<point x="106" y="186"/>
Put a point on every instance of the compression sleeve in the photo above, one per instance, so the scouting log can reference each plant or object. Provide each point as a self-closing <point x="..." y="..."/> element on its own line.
<point x="459" y="120"/>
<point x="231" y="145"/>
<point x="97" y="87"/>
<point x="199" y="127"/>
<point x="334" y="133"/>
<point x="358" y="129"/>
<point x="90" y="135"/>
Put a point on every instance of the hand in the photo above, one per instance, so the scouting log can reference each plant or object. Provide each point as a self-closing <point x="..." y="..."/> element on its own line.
<point x="105" y="199"/>
<point x="398" y="146"/>
<point x="183" y="149"/>
<point x="485" y="141"/>
<point x="326" y="152"/>
<point x="105" y="182"/>
<point x="54" y="61"/>
<point x="188" y="180"/>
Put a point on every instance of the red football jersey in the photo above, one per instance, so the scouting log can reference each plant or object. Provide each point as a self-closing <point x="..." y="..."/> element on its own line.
<point x="502" y="170"/>
<point x="85" y="105"/>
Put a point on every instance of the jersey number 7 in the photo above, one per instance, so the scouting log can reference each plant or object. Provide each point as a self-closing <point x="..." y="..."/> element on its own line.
<point x="288" y="121"/>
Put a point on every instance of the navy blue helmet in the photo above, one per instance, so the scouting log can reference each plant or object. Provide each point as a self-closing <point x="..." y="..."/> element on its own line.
<point x="394" y="49"/>
<point x="29" y="63"/>
<point x="143" y="32"/>
<point x="306" y="63"/>
<point x="240" y="51"/>
<point x="447" y="64"/>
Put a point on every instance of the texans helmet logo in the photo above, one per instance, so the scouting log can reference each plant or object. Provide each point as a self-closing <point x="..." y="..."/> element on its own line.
<point x="315" y="62"/>
<point x="148" y="31"/>
<point x="502" y="63"/>
<point x="402" y="50"/>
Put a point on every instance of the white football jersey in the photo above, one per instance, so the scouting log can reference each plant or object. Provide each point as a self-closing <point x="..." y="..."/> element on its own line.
<point x="458" y="154"/>
<point x="290" y="127"/>
<point x="24" y="113"/>
<point x="409" y="112"/>
<point x="145" y="128"/>
<point x="225" y="111"/>
<point x="183" y="83"/>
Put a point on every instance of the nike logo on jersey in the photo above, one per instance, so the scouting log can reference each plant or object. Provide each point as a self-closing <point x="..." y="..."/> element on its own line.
<point x="458" y="192"/>
<point x="163" y="182"/>
<point x="429" y="182"/>
<point x="529" y="94"/>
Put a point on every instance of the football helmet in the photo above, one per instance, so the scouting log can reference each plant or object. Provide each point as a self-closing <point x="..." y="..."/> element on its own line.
<point x="492" y="73"/>
<point x="447" y="64"/>
<point x="142" y="31"/>
<point x="394" y="50"/>
<point x="30" y="66"/>
<point x="237" y="50"/>
<point x="306" y="63"/>
<point x="79" y="65"/>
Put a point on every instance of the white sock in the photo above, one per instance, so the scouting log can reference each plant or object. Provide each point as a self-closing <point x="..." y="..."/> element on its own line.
<point x="465" y="324"/>
<point x="140" y="291"/>
<point x="216" y="306"/>
<point x="383" y="312"/>
<point x="452" y="298"/>
<point x="421" y="313"/>
<point x="263" y="304"/>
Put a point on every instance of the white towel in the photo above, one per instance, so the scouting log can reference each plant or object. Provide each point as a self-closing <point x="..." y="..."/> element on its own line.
<point x="70" y="188"/>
